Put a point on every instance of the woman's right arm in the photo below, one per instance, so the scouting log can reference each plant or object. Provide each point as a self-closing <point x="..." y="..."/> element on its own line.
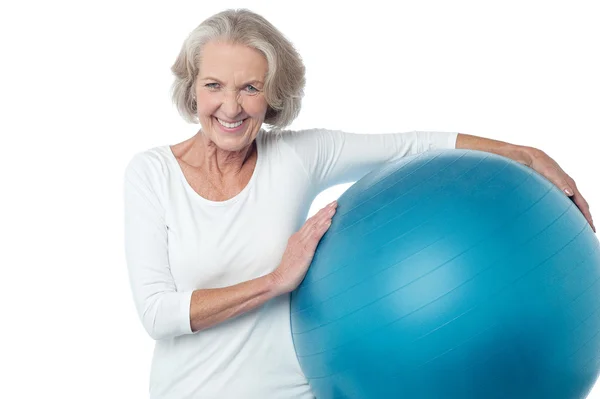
<point x="166" y="312"/>
<point x="213" y="306"/>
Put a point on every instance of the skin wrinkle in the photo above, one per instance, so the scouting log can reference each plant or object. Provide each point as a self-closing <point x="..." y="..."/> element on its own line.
<point x="218" y="165"/>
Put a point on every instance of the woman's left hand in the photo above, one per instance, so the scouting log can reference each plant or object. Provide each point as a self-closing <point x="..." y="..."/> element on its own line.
<point x="536" y="159"/>
<point x="539" y="161"/>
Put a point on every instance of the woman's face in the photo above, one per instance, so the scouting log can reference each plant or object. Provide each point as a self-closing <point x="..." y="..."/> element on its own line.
<point x="229" y="94"/>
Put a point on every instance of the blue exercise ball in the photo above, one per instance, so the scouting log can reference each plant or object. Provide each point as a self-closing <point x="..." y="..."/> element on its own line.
<point x="452" y="275"/>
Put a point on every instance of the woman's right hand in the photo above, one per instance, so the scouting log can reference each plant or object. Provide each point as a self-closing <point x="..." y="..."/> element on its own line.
<point x="300" y="250"/>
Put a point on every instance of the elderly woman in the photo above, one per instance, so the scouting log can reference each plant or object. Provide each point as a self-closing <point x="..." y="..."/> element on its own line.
<point x="215" y="230"/>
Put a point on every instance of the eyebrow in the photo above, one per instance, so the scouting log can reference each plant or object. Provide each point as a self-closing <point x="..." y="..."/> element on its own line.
<point x="250" y="82"/>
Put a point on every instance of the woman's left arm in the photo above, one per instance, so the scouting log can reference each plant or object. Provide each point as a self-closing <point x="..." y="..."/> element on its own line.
<point x="535" y="159"/>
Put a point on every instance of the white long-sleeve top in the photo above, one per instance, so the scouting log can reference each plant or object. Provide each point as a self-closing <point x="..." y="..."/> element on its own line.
<point x="177" y="241"/>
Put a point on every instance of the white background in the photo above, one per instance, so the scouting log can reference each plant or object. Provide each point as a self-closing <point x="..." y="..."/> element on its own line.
<point x="85" y="85"/>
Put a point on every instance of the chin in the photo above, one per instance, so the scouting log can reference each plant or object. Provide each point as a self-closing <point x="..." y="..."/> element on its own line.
<point x="231" y="143"/>
<point x="231" y="140"/>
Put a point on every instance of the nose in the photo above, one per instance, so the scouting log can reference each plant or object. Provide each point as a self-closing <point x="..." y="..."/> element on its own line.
<point x="231" y="103"/>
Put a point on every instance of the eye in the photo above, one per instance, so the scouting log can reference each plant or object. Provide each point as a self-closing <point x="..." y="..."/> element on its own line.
<point x="212" y="85"/>
<point x="251" y="89"/>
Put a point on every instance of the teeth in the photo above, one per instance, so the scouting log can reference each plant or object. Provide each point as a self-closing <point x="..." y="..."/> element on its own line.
<point x="230" y="125"/>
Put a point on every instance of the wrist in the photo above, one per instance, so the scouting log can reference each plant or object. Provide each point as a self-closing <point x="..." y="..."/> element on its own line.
<point x="519" y="153"/>
<point x="274" y="284"/>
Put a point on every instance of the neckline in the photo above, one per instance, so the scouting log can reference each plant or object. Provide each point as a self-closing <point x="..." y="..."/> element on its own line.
<point x="231" y="200"/>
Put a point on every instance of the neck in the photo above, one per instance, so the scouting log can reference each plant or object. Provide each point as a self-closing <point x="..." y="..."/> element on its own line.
<point x="214" y="160"/>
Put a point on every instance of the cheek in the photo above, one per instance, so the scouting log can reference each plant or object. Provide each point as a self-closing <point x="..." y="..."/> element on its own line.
<point x="206" y="105"/>
<point x="257" y="108"/>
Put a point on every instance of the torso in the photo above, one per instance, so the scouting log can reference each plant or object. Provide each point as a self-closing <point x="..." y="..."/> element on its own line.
<point x="217" y="243"/>
<point x="212" y="187"/>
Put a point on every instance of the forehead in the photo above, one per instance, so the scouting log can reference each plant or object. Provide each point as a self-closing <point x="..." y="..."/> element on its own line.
<point x="226" y="60"/>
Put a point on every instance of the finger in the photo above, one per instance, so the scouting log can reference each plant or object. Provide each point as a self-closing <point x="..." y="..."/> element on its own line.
<point x="322" y="214"/>
<point x="307" y="229"/>
<point x="310" y="227"/>
<point x="567" y="190"/>
<point x="563" y="182"/>
<point x="317" y="234"/>
<point x="581" y="203"/>
<point x="559" y="178"/>
<point x="319" y="226"/>
<point x="584" y="207"/>
<point x="331" y="205"/>
<point x="327" y="210"/>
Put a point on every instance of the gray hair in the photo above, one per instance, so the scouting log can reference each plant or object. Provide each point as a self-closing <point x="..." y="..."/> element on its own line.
<point x="285" y="80"/>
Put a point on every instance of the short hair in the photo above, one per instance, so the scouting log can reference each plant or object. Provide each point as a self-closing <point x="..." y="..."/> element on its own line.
<point x="285" y="80"/>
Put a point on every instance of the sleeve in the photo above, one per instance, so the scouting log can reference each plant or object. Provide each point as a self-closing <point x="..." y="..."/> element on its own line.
<point x="333" y="157"/>
<point x="164" y="312"/>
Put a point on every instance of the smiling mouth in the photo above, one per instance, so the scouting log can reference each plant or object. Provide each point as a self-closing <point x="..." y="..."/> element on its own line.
<point x="230" y="125"/>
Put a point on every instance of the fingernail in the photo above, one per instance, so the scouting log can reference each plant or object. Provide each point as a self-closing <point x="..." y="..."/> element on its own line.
<point x="568" y="191"/>
<point x="332" y="203"/>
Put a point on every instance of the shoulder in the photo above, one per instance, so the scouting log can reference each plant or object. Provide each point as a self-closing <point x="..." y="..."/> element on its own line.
<point x="300" y="138"/>
<point x="146" y="174"/>
<point x="153" y="155"/>
<point x="149" y="163"/>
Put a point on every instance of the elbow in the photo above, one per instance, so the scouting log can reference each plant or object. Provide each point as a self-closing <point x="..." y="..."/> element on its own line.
<point x="152" y="329"/>
<point x="159" y="326"/>
<point x="155" y="334"/>
<point x="166" y="316"/>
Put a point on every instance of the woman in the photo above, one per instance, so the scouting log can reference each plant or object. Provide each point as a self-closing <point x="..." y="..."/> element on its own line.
<point x="214" y="232"/>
